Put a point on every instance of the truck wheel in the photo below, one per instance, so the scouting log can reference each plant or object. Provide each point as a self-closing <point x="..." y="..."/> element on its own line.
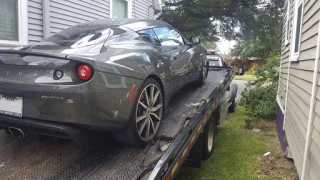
<point x="145" y="117"/>
<point x="209" y="136"/>
<point x="232" y="107"/>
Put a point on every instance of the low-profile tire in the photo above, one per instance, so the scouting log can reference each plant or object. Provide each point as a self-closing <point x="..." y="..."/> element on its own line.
<point x="209" y="136"/>
<point x="145" y="117"/>
<point x="203" y="74"/>
<point x="232" y="107"/>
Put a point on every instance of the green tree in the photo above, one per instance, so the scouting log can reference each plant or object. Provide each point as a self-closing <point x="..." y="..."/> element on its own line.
<point x="209" y="44"/>
<point x="198" y="17"/>
<point x="265" y="39"/>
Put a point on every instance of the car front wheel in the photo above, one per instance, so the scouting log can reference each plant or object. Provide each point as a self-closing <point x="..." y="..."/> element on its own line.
<point x="203" y="73"/>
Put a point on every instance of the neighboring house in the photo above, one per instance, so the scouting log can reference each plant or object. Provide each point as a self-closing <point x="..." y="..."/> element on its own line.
<point x="248" y="64"/>
<point x="25" y="22"/>
<point x="299" y="93"/>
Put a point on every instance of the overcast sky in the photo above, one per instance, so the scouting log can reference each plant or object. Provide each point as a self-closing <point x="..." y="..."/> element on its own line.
<point x="223" y="46"/>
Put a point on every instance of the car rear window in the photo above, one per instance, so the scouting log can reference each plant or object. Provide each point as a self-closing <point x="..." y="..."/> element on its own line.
<point x="214" y="61"/>
<point x="81" y="36"/>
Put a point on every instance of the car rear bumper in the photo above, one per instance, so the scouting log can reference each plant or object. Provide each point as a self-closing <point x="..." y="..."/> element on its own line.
<point x="82" y="134"/>
<point x="101" y="103"/>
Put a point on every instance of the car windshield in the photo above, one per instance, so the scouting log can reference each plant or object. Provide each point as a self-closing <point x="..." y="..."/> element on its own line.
<point x="81" y="36"/>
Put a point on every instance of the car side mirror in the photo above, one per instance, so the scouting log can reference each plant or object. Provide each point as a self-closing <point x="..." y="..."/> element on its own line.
<point x="195" y="40"/>
<point x="241" y="71"/>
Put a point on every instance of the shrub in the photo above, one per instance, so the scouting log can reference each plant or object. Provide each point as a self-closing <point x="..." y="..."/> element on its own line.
<point x="260" y="101"/>
<point x="259" y="97"/>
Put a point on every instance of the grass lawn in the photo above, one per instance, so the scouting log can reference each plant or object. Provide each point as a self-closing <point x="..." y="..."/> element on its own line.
<point x="246" y="77"/>
<point x="239" y="153"/>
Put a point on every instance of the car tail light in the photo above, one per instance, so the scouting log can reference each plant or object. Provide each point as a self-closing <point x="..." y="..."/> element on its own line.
<point x="84" y="72"/>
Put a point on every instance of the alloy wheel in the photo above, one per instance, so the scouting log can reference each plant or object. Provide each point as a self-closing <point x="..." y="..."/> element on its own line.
<point x="205" y="72"/>
<point x="149" y="112"/>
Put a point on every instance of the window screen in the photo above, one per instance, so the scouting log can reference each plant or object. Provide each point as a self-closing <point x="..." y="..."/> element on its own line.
<point x="298" y="30"/>
<point x="120" y="8"/>
<point x="9" y="20"/>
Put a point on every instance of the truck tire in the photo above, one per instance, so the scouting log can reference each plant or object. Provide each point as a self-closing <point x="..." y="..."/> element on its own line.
<point x="141" y="130"/>
<point x="209" y="136"/>
<point x="232" y="107"/>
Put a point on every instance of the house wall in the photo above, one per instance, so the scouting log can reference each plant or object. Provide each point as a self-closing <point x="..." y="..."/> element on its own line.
<point x="142" y="9"/>
<point x="35" y="25"/>
<point x="62" y="14"/>
<point x="298" y="91"/>
<point x="66" y="13"/>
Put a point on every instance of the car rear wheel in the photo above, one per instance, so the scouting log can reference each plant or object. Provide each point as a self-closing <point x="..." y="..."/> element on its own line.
<point x="145" y="117"/>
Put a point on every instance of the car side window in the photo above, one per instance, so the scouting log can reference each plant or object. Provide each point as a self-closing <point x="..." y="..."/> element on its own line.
<point x="169" y="36"/>
<point x="149" y="36"/>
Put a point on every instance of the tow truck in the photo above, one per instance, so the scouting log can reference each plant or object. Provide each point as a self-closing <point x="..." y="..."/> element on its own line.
<point x="187" y="132"/>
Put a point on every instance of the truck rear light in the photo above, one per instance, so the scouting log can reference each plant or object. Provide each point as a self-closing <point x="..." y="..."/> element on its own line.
<point x="84" y="72"/>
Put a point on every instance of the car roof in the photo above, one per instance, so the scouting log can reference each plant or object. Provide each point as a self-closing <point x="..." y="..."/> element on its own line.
<point x="134" y="24"/>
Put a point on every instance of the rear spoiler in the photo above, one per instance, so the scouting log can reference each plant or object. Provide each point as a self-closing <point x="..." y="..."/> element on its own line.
<point x="30" y="53"/>
<point x="49" y="55"/>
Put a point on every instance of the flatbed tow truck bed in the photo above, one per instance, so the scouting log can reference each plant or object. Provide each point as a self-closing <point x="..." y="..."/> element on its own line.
<point x="35" y="158"/>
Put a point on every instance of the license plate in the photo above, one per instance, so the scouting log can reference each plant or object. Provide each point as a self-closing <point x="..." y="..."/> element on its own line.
<point x="11" y="105"/>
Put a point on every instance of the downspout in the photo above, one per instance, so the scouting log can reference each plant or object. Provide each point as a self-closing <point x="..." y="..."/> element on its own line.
<point x="149" y="11"/>
<point x="46" y="18"/>
<point x="311" y="110"/>
<point x="279" y="82"/>
<point x="157" y="6"/>
<point x="287" y="92"/>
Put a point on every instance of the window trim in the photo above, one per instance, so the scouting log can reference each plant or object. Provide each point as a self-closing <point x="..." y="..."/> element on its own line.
<point x="129" y="8"/>
<point x="22" y="26"/>
<point x="154" y="34"/>
<point x="295" y="55"/>
<point x="287" y="22"/>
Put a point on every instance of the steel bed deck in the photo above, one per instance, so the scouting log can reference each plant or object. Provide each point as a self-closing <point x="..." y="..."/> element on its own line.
<point x="32" y="158"/>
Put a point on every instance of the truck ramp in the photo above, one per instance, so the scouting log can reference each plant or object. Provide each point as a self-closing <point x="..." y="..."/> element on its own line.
<point x="51" y="158"/>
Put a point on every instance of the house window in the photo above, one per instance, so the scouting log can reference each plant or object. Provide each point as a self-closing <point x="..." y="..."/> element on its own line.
<point x="120" y="8"/>
<point x="13" y="22"/>
<point x="287" y="26"/>
<point x="9" y="20"/>
<point x="295" y="51"/>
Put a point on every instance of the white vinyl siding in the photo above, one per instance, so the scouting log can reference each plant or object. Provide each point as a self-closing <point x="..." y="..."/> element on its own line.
<point x="143" y="9"/>
<point x="64" y="14"/>
<point x="35" y="23"/>
<point x="300" y="86"/>
<point x="297" y="26"/>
